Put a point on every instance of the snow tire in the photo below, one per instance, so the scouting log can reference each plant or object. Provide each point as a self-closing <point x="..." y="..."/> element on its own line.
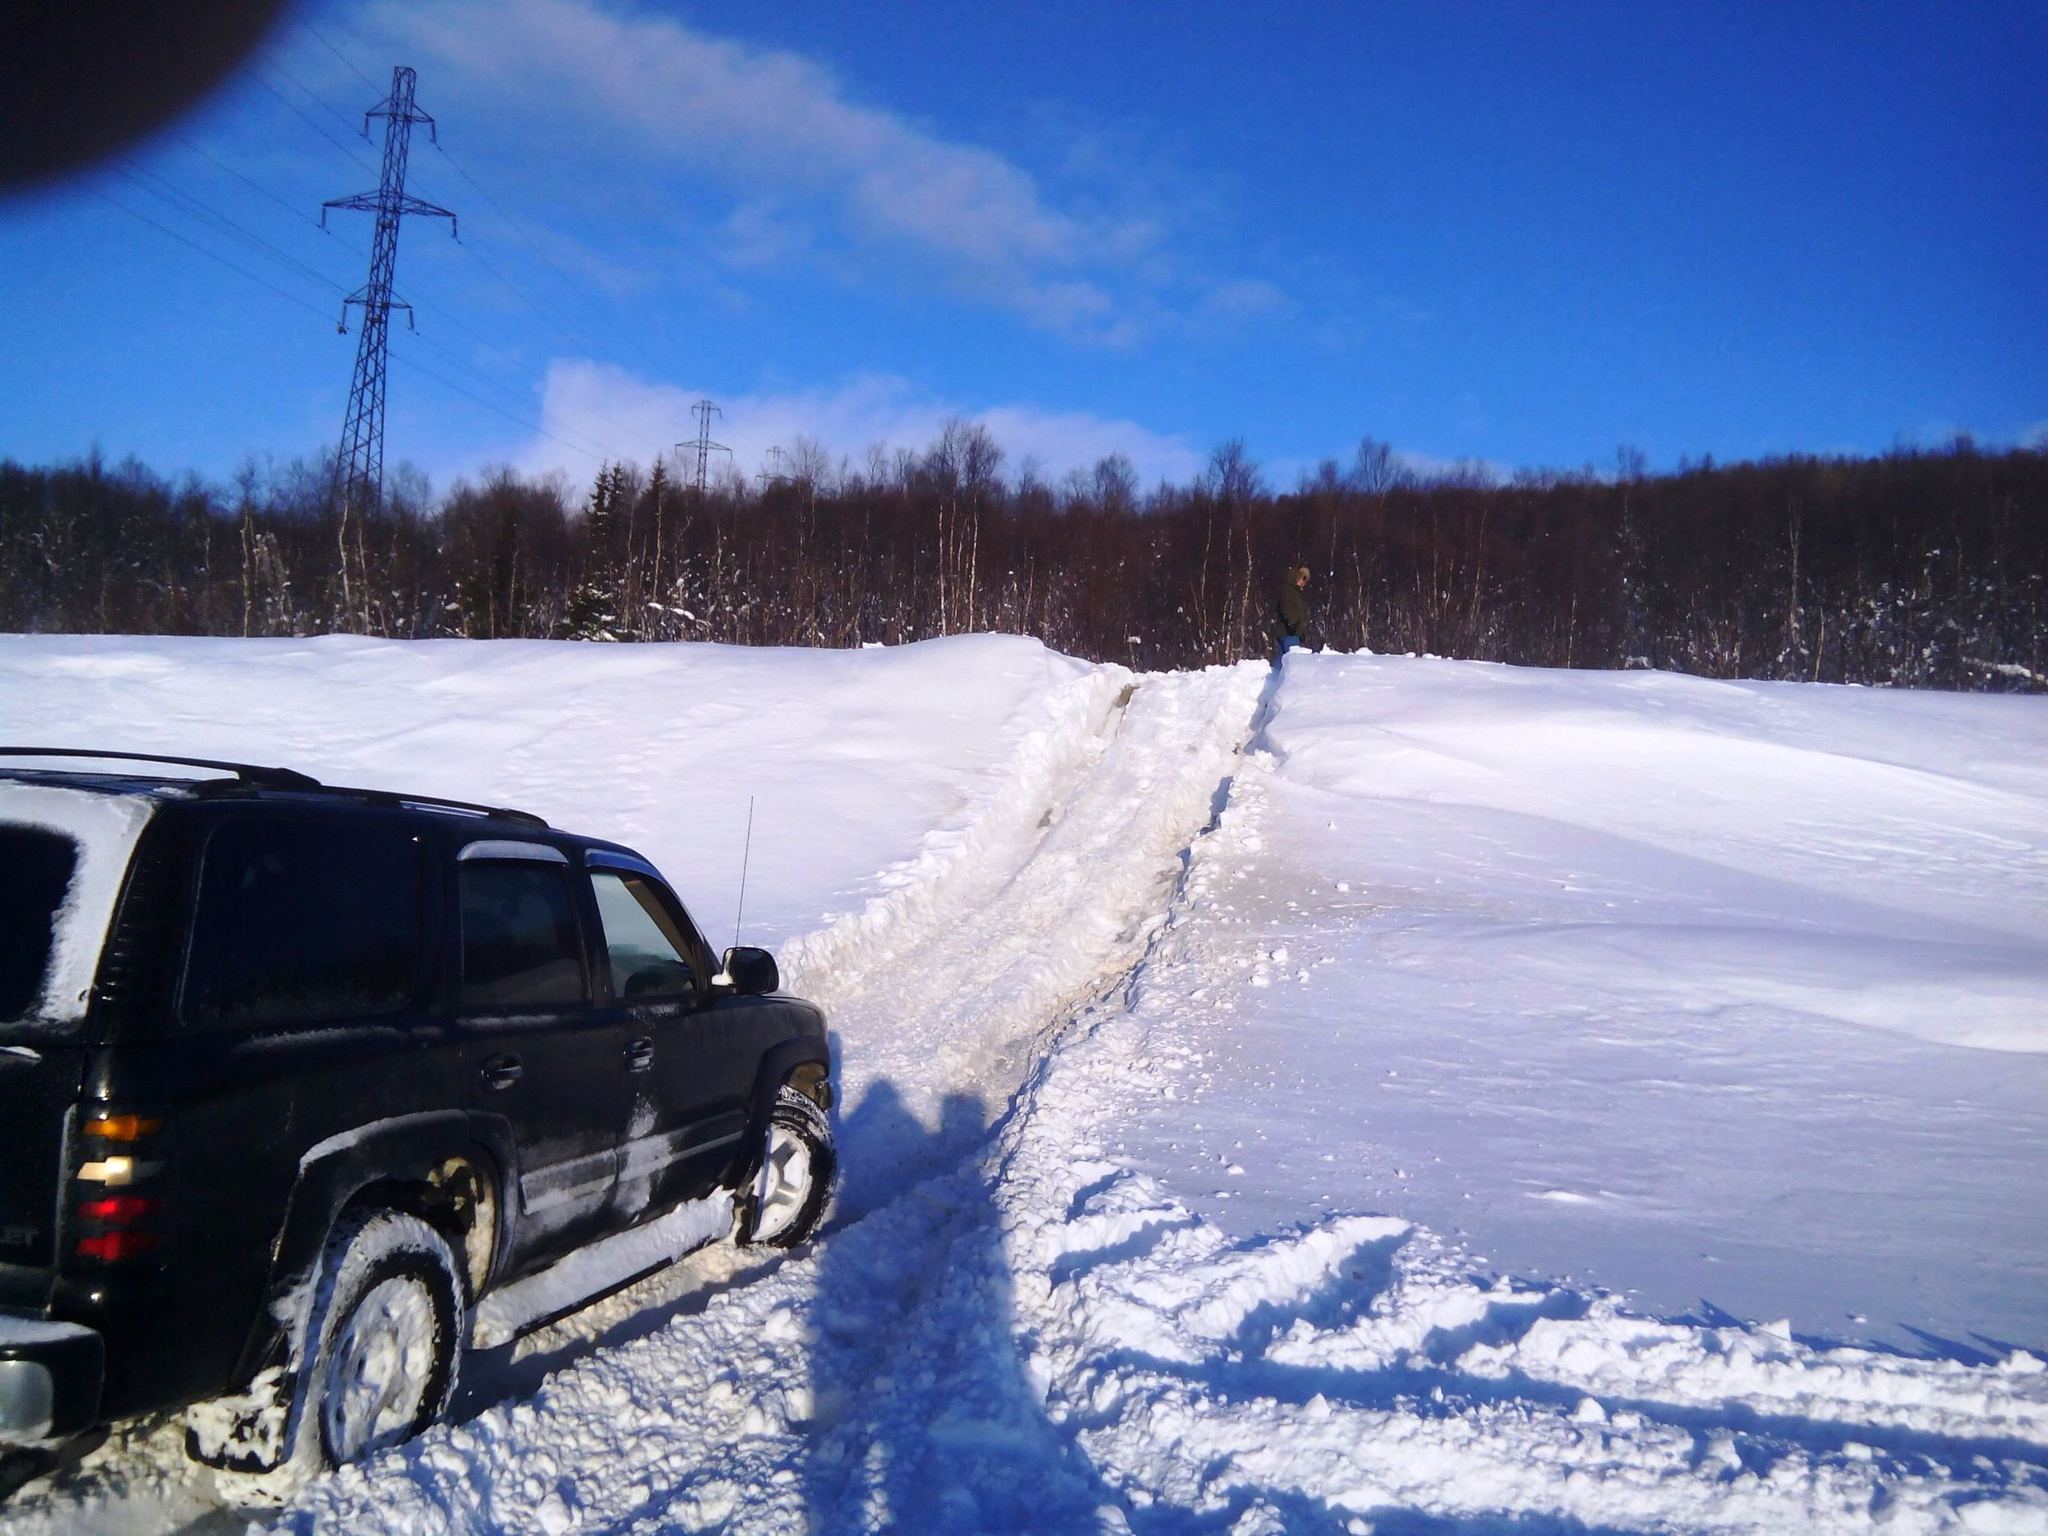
<point x="383" y="1347"/>
<point x="785" y="1199"/>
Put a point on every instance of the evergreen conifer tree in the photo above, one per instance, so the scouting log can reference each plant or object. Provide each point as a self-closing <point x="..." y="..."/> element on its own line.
<point x="592" y="612"/>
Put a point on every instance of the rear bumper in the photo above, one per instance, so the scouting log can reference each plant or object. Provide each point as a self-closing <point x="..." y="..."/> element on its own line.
<point x="50" y="1380"/>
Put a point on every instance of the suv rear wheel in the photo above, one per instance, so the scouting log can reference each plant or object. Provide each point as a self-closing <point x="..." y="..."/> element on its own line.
<point x="383" y="1346"/>
<point x="793" y="1181"/>
<point x="391" y="1341"/>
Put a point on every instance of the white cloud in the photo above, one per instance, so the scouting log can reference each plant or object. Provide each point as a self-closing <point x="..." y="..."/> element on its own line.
<point x="780" y="129"/>
<point x="607" y="406"/>
<point x="1246" y="299"/>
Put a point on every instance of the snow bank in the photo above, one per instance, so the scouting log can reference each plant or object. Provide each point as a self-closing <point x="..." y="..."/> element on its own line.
<point x="850" y="757"/>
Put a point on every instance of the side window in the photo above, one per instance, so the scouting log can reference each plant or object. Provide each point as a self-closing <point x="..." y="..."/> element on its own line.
<point x="648" y="952"/>
<point x="519" y="944"/>
<point x="35" y="874"/>
<point x="304" y="921"/>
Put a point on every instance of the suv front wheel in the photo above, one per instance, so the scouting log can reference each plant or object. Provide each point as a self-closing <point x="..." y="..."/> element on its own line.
<point x="793" y="1180"/>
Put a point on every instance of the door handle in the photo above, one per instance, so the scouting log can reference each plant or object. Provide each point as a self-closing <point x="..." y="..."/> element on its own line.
<point x="639" y="1054"/>
<point x="502" y="1071"/>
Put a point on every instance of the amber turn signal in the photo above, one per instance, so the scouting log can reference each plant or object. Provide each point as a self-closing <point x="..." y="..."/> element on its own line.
<point x="123" y="1127"/>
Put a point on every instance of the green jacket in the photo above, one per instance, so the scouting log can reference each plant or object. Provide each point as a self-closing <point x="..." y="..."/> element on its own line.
<point x="1292" y="609"/>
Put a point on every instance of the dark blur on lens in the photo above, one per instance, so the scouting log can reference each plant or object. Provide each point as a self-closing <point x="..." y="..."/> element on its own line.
<point x="80" y="79"/>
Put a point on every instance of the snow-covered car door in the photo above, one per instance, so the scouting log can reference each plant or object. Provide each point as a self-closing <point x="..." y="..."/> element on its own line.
<point x="538" y="1054"/>
<point x="682" y="1123"/>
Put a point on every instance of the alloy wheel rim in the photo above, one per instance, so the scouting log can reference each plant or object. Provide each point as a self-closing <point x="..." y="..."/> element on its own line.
<point x="784" y="1183"/>
<point x="383" y="1360"/>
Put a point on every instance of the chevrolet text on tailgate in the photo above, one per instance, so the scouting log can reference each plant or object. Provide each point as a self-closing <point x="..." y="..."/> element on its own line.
<point x="305" y="1090"/>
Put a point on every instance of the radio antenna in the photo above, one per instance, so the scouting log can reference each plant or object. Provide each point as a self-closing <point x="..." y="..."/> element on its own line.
<point x="745" y="854"/>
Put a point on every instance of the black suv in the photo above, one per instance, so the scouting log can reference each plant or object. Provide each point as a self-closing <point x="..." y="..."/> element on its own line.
<point x="303" y="1090"/>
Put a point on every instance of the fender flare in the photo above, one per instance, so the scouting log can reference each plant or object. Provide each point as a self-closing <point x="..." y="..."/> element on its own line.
<point x="403" y="1148"/>
<point x="775" y="1069"/>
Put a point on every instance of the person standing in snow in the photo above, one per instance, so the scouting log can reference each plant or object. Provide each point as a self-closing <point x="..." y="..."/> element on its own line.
<point x="1291" y="609"/>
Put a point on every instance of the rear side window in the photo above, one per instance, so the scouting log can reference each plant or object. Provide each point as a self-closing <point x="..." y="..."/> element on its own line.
<point x="35" y="872"/>
<point x="300" y="922"/>
<point x="519" y="942"/>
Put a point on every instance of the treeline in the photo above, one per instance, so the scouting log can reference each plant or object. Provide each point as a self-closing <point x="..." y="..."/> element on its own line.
<point x="1916" y="568"/>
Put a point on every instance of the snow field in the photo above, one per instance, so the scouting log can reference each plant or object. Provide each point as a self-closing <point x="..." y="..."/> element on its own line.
<point x="1524" y="989"/>
<point x="1233" y="1069"/>
<point x="1874" y="858"/>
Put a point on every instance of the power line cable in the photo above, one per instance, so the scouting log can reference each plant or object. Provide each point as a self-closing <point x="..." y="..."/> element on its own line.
<point x="332" y="111"/>
<point x="189" y="203"/>
<point x="305" y="304"/>
<point x="285" y="203"/>
<point x="419" y="367"/>
<point x="582" y="447"/>
<point x="584" y="343"/>
<point x="321" y="37"/>
<point x="559" y="321"/>
<point x="177" y="197"/>
<point x="444" y="316"/>
<point x="199" y="205"/>
<point x="312" y="122"/>
<point x="554" y="318"/>
<point x="514" y="225"/>
<point x="486" y="344"/>
<point x="133" y="213"/>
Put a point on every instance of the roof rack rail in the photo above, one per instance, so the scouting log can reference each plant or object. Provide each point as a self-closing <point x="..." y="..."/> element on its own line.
<point x="284" y="778"/>
<point x="250" y="773"/>
<point x="435" y="802"/>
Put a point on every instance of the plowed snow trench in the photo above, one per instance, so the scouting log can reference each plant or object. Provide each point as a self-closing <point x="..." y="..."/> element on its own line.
<point x="840" y="1389"/>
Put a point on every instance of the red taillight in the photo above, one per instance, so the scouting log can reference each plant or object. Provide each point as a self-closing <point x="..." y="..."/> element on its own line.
<point x="112" y="1247"/>
<point x="118" y="1198"/>
<point x="117" y="1210"/>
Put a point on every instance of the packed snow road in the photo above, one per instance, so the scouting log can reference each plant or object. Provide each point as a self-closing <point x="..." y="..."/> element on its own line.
<point x="1198" y="1033"/>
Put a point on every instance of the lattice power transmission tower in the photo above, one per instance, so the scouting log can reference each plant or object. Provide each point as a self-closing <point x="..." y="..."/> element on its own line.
<point x="703" y="410"/>
<point x="359" y="473"/>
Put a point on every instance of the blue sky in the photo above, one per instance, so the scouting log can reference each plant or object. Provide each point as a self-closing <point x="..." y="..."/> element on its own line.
<point x="1516" y="233"/>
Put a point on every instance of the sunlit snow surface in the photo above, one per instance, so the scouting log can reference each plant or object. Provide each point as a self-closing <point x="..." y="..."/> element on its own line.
<point x="1232" y="1073"/>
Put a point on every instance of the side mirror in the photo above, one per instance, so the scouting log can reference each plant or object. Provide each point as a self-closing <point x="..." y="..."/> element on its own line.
<point x="752" y="971"/>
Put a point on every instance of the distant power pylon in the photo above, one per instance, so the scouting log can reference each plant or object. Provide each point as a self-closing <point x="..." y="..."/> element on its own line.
<point x="774" y="473"/>
<point x="703" y="410"/>
<point x="359" y="473"/>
